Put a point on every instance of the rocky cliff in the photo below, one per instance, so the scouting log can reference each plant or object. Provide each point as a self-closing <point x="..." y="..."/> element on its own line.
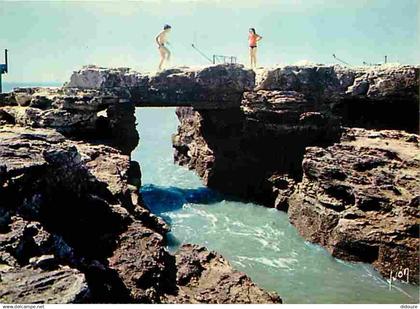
<point x="73" y="227"/>
<point x="245" y="151"/>
<point x="380" y="97"/>
<point x="359" y="198"/>
<point x="262" y="150"/>
<point x="257" y="148"/>
<point x="76" y="113"/>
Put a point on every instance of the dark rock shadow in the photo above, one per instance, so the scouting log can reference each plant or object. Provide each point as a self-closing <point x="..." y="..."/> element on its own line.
<point x="161" y="200"/>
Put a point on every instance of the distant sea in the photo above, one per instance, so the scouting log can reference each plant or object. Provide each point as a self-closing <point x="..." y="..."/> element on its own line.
<point x="7" y="86"/>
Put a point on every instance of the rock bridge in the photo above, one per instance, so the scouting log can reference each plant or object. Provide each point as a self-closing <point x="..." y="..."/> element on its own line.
<point x="215" y="87"/>
<point x="222" y="86"/>
<point x="100" y="102"/>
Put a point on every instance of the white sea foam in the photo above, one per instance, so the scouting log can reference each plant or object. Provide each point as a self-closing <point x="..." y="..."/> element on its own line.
<point x="285" y="263"/>
<point x="182" y="215"/>
<point x="212" y="218"/>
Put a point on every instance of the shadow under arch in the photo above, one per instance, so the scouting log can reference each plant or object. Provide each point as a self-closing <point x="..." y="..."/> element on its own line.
<point x="161" y="199"/>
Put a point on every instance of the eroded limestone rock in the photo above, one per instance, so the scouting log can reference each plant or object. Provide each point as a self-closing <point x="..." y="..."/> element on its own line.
<point x="359" y="198"/>
<point x="29" y="286"/>
<point x="214" y="87"/>
<point x="83" y="114"/>
<point x="381" y="97"/>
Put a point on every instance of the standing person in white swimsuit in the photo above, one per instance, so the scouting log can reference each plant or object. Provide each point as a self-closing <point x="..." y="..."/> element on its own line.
<point x="161" y="40"/>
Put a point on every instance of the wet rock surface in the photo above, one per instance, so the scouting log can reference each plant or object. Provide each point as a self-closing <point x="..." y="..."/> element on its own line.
<point x="359" y="198"/>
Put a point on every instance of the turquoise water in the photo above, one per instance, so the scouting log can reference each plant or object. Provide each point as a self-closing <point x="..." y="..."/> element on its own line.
<point x="257" y="240"/>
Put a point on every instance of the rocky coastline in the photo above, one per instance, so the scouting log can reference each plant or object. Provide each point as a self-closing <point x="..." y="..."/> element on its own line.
<point x="287" y="146"/>
<point x="73" y="226"/>
<point x="70" y="208"/>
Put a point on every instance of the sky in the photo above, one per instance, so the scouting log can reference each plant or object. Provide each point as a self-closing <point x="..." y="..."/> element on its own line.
<point x="47" y="41"/>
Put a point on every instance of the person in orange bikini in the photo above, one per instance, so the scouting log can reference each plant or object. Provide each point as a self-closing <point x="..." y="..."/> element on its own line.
<point x="253" y="38"/>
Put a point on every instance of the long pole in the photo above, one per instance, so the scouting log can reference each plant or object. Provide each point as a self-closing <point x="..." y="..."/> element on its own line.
<point x="335" y="57"/>
<point x="201" y="53"/>
<point x="6" y="62"/>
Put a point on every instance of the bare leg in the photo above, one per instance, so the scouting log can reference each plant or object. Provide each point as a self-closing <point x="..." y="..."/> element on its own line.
<point x="251" y="59"/>
<point x="165" y="54"/>
<point x="254" y="57"/>
<point x="162" y="53"/>
<point x="168" y="54"/>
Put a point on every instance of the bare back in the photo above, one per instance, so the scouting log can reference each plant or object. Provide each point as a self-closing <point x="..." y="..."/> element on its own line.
<point x="162" y="38"/>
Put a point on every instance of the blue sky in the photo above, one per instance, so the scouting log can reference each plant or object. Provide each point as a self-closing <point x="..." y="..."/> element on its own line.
<point x="48" y="40"/>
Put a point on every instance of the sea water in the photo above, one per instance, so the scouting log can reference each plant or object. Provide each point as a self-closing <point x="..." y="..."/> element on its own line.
<point x="256" y="240"/>
<point x="7" y="86"/>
